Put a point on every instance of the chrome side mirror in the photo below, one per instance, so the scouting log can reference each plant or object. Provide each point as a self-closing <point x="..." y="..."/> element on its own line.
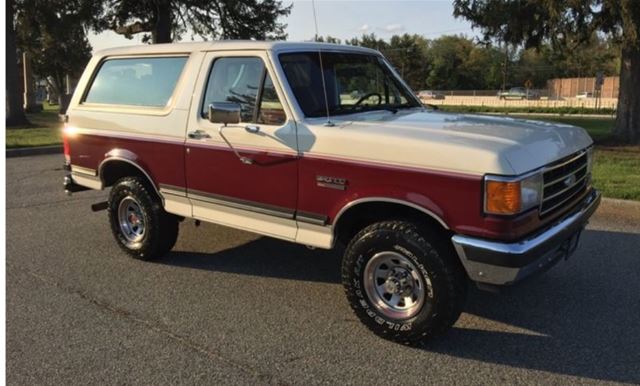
<point x="227" y="113"/>
<point x="224" y="112"/>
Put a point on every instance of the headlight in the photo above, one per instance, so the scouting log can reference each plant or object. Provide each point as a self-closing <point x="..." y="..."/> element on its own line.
<point x="507" y="196"/>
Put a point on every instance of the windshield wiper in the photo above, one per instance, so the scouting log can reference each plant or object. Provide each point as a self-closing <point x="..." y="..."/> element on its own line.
<point x="392" y="109"/>
<point x="360" y="109"/>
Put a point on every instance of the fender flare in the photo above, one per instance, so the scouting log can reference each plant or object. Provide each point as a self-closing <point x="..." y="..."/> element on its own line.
<point x="123" y="155"/>
<point x="359" y="201"/>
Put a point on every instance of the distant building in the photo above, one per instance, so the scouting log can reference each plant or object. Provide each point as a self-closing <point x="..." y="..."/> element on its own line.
<point x="570" y="87"/>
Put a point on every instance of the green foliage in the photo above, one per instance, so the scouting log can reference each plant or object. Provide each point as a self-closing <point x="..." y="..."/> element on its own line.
<point x="408" y="53"/>
<point x="162" y="21"/>
<point x="566" y="24"/>
<point x="460" y="63"/>
<point x="52" y="33"/>
<point x="328" y="39"/>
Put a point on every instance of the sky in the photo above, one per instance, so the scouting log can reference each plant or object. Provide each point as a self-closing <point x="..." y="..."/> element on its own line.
<point x="349" y="18"/>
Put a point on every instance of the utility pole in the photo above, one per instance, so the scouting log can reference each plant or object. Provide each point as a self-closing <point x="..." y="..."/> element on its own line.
<point x="504" y="66"/>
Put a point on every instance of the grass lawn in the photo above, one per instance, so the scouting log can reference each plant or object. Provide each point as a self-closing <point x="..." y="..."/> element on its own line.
<point x="45" y="129"/>
<point x="616" y="172"/>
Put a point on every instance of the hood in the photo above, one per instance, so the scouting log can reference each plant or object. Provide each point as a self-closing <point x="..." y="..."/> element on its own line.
<point x="468" y="143"/>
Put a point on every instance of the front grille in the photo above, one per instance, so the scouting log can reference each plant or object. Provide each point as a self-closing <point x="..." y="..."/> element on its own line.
<point x="563" y="181"/>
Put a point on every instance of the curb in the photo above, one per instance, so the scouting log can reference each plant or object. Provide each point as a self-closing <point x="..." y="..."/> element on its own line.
<point x="29" y="151"/>
<point x="618" y="201"/>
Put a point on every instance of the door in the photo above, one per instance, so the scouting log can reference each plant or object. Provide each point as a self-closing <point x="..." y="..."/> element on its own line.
<point x="248" y="181"/>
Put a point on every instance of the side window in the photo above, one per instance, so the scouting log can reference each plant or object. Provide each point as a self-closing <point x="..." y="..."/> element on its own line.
<point x="238" y="80"/>
<point x="271" y="111"/>
<point x="147" y="82"/>
<point x="235" y="80"/>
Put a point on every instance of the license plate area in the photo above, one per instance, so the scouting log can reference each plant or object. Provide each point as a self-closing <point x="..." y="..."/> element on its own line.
<point x="569" y="246"/>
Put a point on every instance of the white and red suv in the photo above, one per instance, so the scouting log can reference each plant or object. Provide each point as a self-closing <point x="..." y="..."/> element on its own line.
<point x="325" y="145"/>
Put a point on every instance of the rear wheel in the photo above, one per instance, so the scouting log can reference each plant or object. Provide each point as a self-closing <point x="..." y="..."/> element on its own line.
<point x="138" y="222"/>
<point x="403" y="281"/>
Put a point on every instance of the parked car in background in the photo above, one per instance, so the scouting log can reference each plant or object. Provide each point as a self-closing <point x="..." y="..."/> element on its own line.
<point x="430" y="94"/>
<point x="519" y="93"/>
<point x="584" y="95"/>
<point x="269" y="137"/>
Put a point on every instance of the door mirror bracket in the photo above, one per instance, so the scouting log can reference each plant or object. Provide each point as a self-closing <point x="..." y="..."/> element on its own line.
<point x="227" y="113"/>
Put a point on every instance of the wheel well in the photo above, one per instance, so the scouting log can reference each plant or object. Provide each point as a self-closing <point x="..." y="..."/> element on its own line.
<point x="112" y="171"/>
<point x="361" y="215"/>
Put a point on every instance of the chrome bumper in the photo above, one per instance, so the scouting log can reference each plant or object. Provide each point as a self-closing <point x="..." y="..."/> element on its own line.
<point x="498" y="263"/>
<point x="70" y="186"/>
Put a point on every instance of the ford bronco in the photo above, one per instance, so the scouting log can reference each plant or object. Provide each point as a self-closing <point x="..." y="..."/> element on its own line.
<point x="325" y="145"/>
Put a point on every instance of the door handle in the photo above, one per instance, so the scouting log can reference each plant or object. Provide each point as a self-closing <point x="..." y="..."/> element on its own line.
<point x="198" y="134"/>
<point x="254" y="129"/>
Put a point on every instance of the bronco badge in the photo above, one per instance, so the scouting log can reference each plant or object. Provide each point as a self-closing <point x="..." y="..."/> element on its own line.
<point x="331" y="182"/>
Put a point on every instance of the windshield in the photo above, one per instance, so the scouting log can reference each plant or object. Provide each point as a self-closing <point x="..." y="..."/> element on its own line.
<point x="355" y="82"/>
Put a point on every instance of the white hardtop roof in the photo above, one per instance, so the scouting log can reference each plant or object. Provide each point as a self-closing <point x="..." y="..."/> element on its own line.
<point x="228" y="45"/>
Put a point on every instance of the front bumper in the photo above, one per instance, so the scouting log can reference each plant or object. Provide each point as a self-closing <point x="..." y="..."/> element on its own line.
<point x="499" y="263"/>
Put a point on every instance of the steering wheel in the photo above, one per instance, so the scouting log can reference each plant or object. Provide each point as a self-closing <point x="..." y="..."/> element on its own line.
<point x="367" y="96"/>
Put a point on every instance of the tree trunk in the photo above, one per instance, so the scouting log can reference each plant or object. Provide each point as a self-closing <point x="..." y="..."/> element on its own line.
<point x="627" y="127"/>
<point x="15" y="110"/>
<point x="162" y="30"/>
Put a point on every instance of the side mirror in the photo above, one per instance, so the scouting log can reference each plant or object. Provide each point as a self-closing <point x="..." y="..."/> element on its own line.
<point x="224" y="112"/>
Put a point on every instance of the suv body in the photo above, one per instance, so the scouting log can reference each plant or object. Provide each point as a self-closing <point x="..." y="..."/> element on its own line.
<point x="519" y="93"/>
<point x="268" y="137"/>
<point x="429" y="94"/>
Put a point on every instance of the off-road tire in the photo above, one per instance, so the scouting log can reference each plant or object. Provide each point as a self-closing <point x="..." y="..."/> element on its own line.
<point x="432" y="255"/>
<point x="161" y="228"/>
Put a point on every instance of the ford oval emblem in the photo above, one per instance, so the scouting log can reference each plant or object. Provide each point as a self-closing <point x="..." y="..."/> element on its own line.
<point x="570" y="180"/>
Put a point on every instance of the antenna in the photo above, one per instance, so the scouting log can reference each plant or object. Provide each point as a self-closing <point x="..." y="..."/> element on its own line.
<point x="315" y="19"/>
<point x="324" y="85"/>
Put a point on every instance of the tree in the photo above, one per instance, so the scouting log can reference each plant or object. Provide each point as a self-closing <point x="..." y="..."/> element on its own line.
<point x="567" y="25"/>
<point x="14" y="108"/>
<point x="52" y="33"/>
<point x="408" y="53"/>
<point x="327" y="39"/>
<point x="163" y="21"/>
<point x="369" y="41"/>
<point x="483" y="67"/>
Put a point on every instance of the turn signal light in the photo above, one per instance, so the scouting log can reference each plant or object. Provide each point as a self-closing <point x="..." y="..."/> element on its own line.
<point x="502" y="197"/>
<point x="65" y="146"/>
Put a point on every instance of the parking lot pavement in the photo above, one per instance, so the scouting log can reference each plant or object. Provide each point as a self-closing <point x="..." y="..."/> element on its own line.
<point x="228" y="306"/>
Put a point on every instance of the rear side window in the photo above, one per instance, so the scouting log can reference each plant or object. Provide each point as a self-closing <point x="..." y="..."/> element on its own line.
<point x="147" y="82"/>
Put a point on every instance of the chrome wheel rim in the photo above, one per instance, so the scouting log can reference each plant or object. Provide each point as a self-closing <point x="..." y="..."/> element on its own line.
<point x="131" y="219"/>
<point x="394" y="285"/>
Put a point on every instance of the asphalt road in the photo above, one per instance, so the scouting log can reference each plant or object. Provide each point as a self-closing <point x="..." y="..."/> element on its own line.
<point x="229" y="306"/>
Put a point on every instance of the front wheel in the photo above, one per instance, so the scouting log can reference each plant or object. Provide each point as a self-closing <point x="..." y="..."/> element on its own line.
<point x="403" y="282"/>
<point x="139" y="223"/>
